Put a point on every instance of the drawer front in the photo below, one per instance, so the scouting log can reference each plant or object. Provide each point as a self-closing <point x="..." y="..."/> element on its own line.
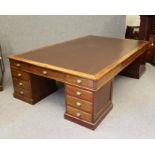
<point x="37" y="70"/>
<point x="46" y="73"/>
<point x="80" y="104"/>
<point x="20" y="74"/>
<point x="80" y="93"/>
<point x="21" y="83"/>
<point x="17" y="64"/>
<point x="79" y="114"/>
<point x="23" y="92"/>
<point x="78" y="81"/>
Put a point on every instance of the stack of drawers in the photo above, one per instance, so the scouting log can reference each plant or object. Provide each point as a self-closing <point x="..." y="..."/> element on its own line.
<point x="79" y="101"/>
<point x="85" y="105"/>
<point x="30" y="82"/>
<point x="21" y="81"/>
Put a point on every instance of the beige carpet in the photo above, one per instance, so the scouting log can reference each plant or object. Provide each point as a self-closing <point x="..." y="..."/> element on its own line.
<point x="133" y="115"/>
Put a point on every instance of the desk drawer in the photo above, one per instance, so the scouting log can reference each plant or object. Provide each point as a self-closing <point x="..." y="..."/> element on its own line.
<point x="80" y="104"/>
<point x="79" y="114"/>
<point x="20" y="74"/>
<point x="21" y="83"/>
<point x="45" y="72"/>
<point x="23" y="92"/>
<point x="17" y="64"/>
<point x="80" y="93"/>
<point x="78" y="81"/>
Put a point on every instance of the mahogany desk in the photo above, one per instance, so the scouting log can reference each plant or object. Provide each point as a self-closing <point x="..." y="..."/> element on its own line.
<point x="86" y="66"/>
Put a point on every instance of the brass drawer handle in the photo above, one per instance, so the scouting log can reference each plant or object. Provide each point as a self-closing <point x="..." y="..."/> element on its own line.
<point x="78" y="114"/>
<point x="20" y="84"/>
<point x="21" y="92"/>
<point x="78" y="104"/>
<point x="78" y="93"/>
<point x="18" y="65"/>
<point x="19" y="74"/>
<point x="45" y="72"/>
<point x="79" y="81"/>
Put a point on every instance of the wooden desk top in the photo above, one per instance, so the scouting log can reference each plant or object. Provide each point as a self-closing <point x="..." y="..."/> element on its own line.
<point x="90" y="55"/>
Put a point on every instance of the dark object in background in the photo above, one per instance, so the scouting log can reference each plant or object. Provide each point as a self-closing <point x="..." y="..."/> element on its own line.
<point x="132" y="32"/>
<point x="147" y="32"/>
<point x="1" y="70"/>
<point x="151" y="50"/>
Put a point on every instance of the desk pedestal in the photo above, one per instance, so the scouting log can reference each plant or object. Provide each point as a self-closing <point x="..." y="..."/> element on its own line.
<point x="31" y="88"/>
<point x="88" y="108"/>
<point x="136" y="68"/>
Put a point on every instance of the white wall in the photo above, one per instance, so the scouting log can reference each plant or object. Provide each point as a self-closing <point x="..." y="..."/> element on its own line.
<point x="132" y="20"/>
<point x="19" y="33"/>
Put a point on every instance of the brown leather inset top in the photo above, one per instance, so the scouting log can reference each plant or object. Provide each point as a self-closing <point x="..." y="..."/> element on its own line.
<point x="89" y="54"/>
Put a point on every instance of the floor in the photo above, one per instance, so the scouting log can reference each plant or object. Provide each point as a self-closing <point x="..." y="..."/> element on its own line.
<point x="133" y="114"/>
